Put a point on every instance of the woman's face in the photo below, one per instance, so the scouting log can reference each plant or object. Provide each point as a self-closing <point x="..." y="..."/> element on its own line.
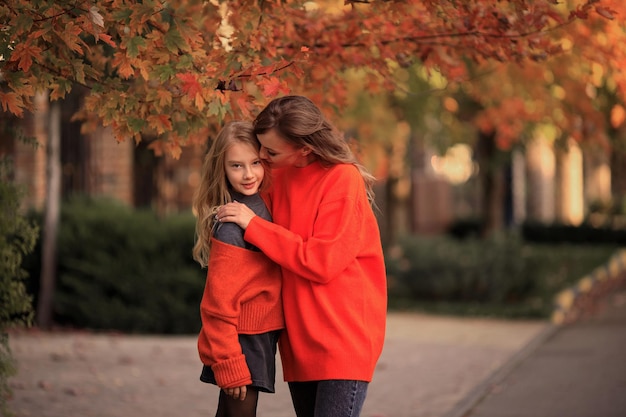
<point x="280" y="153"/>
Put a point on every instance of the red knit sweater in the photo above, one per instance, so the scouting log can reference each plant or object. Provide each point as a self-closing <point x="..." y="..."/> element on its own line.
<point x="326" y="238"/>
<point x="241" y="295"/>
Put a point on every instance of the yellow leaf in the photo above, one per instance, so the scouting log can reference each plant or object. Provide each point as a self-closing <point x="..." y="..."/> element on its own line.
<point x="165" y="98"/>
<point x="199" y="101"/>
<point x="160" y="122"/>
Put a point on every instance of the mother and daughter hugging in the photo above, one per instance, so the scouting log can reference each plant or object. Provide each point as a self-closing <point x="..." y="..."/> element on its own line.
<point x="286" y="228"/>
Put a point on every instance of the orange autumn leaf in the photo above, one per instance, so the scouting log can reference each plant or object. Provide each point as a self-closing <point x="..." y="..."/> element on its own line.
<point x="160" y="122"/>
<point x="106" y="38"/>
<point x="190" y="84"/>
<point x="71" y="36"/>
<point x="123" y="64"/>
<point x="130" y="54"/>
<point x="23" y="54"/>
<point x="165" y="97"/>
<point x="272" y="86"/>
<point x="12" y="102"/>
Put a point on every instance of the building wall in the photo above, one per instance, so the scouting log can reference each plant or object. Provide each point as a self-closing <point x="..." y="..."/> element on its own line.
<point x="30" y="156"/>
<point x="97" y="164"/>
<point x="111" y="166"/>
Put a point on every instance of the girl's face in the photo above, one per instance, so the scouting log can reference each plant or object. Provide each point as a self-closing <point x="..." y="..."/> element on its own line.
<point x="244" y="169"/>
<point x="280" y="153"/>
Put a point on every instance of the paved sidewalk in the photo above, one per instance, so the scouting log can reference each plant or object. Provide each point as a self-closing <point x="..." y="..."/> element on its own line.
<point x="429" y="366"/>
<point x="579" y="371"/>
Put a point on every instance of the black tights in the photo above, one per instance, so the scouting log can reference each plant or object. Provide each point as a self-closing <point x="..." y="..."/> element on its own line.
<point x="230" y="407"/>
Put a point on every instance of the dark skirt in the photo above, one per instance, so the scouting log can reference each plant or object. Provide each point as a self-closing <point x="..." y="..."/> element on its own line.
<point x="260" y="352"/>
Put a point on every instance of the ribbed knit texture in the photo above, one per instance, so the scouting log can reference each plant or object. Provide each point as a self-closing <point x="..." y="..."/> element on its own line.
<point x="241" y="295"/>
<point x="232" y="372"/>
<point x="326" y="238"/>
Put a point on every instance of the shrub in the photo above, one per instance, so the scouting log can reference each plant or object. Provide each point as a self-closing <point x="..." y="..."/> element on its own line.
<point x="17" y="238"/>
<point x="440" y="268"/>
<point x="583" y="234"/>
<point x="501" y="276"/>
<point x="126" y="269"/>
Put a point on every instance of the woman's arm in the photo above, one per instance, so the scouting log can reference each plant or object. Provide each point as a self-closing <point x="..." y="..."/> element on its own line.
<point x="339" y="234"/>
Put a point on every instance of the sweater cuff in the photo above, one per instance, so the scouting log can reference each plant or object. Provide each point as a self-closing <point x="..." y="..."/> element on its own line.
<point x="232" y="373"/>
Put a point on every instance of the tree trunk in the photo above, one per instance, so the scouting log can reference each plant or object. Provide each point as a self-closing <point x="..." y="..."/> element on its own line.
<point x="51" y="218"/>
<point x="492" y="183"/>
<point x="618" y="167"/>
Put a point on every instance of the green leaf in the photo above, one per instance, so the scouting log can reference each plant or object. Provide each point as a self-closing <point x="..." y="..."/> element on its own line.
<point x="184" y="62"/>
<point x="181" y="128"/>
<point x="136" y="125"/>
<point x="164" y="72"/>
<point x="79" y="70"/>
<point x="174" y="41"/>
<point x="123" y="15"/>
<point x="134" y="45"/>
<point x="24" y="23"/>
<point x="218" y="109"/>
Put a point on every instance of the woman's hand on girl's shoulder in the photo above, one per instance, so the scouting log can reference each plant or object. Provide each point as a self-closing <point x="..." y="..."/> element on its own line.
<point x="235" y="212"/>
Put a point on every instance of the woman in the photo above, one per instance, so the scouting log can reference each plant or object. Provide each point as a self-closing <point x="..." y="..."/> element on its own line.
<point x="326" y="239"/>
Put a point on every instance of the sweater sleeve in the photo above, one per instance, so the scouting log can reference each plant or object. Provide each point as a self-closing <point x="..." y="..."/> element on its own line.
<point x="220" y="308"/>
<point x="338" y="234"/>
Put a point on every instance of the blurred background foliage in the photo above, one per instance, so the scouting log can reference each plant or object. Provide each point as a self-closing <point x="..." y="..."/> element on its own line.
<point x="128" y="270"/>
<point x="123" y="269"/>
<point x="17" y="239"/>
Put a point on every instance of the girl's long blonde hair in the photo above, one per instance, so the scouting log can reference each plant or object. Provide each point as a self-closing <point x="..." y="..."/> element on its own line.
<point x="214" y="189"/>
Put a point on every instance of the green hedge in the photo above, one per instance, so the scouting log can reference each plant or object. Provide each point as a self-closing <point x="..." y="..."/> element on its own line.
<point x="125" y="269"/>
<point x="583" y="234"/>
<point x="501" y="276"/>
<point x="17" y="239"/>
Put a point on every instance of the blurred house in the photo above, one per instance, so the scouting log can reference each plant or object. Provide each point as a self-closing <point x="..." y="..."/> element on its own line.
<point x="96" y="164"/>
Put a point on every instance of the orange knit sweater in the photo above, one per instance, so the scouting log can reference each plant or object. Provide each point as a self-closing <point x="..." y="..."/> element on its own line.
<point x="326" y="238"/>
<point x="241" y="295"/>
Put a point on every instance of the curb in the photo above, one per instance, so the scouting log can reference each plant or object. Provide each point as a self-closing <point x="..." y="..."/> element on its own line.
<point x="566" y="306"/>
<point x="472" y="399"/>
<point x="604" y="277"/>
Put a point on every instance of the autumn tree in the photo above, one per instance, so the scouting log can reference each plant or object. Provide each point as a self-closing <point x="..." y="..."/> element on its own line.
<point x="580" y="92"/>
<point x="172" y="68"/>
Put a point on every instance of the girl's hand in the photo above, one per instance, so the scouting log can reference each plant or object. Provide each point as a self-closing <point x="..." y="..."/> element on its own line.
<point x="235" y="212"/>
<point x="238" y="393"/>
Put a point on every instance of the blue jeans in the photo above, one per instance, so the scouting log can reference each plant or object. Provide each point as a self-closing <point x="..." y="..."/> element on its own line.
<point x="328" y="398"/>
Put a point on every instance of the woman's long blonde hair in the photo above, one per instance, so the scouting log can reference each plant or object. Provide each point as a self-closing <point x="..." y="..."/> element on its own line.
<point x="299" y="121"/>
<point x="214" y="189"/>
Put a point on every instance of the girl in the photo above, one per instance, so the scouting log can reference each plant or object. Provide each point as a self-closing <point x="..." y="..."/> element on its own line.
<point x="241" y="308"/>
<point x="327" y="240"/>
